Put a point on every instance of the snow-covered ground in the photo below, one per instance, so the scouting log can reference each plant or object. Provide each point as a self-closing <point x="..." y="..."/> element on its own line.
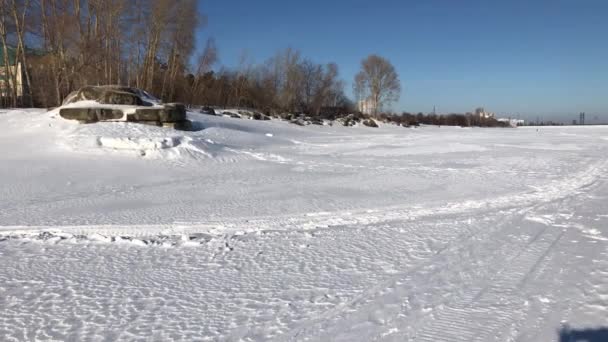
<point x="250" y="230"/>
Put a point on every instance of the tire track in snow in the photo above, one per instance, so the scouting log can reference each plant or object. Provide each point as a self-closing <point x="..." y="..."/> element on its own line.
<point x="335" y="317"/>
<point x="380" y="299"/>
<point x="497" y="305"/>
<point x="550" y="192"/>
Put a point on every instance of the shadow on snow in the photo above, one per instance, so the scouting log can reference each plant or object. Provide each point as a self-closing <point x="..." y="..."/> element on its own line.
<point x="567" y="334"/>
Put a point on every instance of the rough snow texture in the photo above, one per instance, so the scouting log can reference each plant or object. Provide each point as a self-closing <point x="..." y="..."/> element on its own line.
<point x="250" y="231"/>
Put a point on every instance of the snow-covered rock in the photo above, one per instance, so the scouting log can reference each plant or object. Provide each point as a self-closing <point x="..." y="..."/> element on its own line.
<point x="92" y="104"/>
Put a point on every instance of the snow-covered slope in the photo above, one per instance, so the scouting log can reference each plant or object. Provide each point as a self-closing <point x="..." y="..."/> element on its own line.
<point x="262" y="230"/>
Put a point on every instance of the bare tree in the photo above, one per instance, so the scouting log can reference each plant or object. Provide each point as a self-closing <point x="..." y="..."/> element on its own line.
<point x="242" y="77"/>
<point x="9" y="81"/>
<point x="327" y="80"/>
<point x="286" y="72"/>
<point x="377" y="82"/>
<point x="311" y="74"/>
<point x="205" y="61"/>
<point x="19" y="16"/>
<point x="65" y="44"/>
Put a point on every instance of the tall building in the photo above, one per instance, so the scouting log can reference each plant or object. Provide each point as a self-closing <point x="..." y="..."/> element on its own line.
<point x="481" y="112"/>
<point x="366" y="106"/>
<point x="15" y="69"/>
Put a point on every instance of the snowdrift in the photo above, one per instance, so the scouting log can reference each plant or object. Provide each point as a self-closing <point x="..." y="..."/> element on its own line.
<point x="213" y="136"/>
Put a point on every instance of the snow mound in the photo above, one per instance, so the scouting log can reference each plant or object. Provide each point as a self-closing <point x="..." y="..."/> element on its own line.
<point x="164" y="241"/>
<point x="221" y="138"/>
<point x="162" y="147"/>
<point x="139" y="143"/>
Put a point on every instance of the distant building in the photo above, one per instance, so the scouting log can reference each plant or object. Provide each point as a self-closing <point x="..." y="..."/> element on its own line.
<point x="16" y="69"/>
<point x="366" y="106"/>
<point x="481" y="112"/>
<point x="512" y="122"/>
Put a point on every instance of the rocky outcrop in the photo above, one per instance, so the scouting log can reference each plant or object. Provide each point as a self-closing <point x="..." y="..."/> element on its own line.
<point x="348" y="120"/>
<point x="140" y="110"/>
<point x="120" y="98"/>
<point x="259" y="116"/>
<point x="208" y="111"/>
<point x="184" y="125"/>
<point x="172" y="112"/>
<point x="300" y="122"/>
<point x="172" y="115"/>
<point x="370" y="123"/>
<point x="117" y="95"/>
<point x="91" y="115"/>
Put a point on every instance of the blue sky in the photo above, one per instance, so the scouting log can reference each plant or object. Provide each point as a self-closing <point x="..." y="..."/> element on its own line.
<point x="528" y="58"/>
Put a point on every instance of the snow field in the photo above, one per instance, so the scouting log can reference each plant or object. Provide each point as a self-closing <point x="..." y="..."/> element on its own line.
<point x="254" y="231"/>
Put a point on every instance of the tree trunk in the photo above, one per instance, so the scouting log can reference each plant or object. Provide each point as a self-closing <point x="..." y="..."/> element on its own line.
<point x="20" y="26"/>
<point x="8" y="76"/>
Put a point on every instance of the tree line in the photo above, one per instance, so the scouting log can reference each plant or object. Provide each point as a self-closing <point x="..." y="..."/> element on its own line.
<point x="286" y="82"/>
<point x="148" y="44"/>
<point x="463" y="120"/>
<point x="151" y="45"/>
<point x="66" y="44"/>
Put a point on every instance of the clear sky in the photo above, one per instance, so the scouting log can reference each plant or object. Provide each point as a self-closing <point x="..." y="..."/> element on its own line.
<point x="546" y="58"/>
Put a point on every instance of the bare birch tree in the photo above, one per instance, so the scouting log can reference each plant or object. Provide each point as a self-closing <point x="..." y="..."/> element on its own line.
<point x="205" y="61"/>
<point x="9" y="94"/>
<point x="377" y="82"/>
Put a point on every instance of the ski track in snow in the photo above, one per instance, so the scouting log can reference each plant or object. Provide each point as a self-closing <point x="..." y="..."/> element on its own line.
<point x="249" y="231"/>
<point x="484" y="301"/>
